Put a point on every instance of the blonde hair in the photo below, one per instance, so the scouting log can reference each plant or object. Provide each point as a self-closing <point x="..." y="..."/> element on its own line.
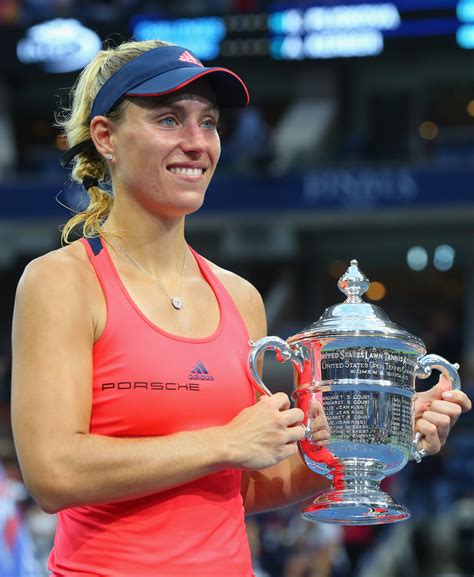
<point x="75" y="122"/>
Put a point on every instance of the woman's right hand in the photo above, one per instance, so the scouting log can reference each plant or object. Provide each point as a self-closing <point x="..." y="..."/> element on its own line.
<point x="264" y="434"/>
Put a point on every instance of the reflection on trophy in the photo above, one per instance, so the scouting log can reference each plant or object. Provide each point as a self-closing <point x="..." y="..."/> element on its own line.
<point x="356" y="384"/>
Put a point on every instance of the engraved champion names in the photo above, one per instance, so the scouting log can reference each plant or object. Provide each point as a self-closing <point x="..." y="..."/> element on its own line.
<point x="368" y="363"/>
<point x="368" y="416"/>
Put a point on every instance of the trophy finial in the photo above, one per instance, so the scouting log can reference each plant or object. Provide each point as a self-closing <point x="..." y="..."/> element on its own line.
<point x="353" y="283"/>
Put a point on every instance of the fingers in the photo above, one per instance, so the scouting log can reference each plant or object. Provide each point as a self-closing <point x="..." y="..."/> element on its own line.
<point x="458" y="398"/>
<point x="435" y="427"/>
<point x="279" y="400"/>
<point x="318" y="424"/>
<point x="315" y="409"/>
<point x="436" y="422"/>
<point x="296" y="434"/>
<point x="289" y="416"/>
<point x="452" y="410"/>
<point x="292" y="417"/>
<point x="289" y="419"/>
<point x="321" y="437"/>
<point x="441" y="391"/>
<point x="282" y="401"/>
<point x="264" y="434"/>
<point x="431" y="441"/>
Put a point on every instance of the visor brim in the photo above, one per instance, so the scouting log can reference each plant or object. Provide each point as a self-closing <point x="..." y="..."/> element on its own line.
<point x="229" y="89"/>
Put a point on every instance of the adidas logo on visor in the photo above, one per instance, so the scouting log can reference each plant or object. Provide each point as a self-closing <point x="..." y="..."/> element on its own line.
<point x="188" y="57"/>
<point x="200" y="373"/>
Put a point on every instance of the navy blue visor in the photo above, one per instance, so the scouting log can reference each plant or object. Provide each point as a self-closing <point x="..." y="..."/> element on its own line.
<point x="164" y="70"/>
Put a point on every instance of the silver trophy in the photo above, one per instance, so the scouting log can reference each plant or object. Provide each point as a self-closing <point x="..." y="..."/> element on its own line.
<point x="356" y="374"/>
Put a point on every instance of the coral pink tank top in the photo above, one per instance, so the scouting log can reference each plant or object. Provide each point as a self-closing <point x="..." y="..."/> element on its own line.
<point x="147" y="382"/>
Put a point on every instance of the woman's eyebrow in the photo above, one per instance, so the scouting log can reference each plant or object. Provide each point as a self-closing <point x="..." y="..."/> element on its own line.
<point x="181" y="105"/>
<point x="211" y="107"/>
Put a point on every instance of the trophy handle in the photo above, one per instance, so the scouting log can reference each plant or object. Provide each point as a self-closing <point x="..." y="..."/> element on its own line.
<point x="283" y="354"/>
<point x="424" y="368"/>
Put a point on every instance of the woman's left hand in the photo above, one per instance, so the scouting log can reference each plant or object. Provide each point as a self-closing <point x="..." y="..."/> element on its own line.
<point x="436" y="411"/>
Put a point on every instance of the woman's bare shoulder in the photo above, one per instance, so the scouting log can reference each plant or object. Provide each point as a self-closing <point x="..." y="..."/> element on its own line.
<point x="59" y="295"/>
<point x="238" y="286"/>
<point x="246" y="297"/>
<point x="63" y="272"/>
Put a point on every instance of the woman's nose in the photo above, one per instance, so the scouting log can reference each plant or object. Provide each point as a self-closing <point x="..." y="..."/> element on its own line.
<point x="195" y="139"/>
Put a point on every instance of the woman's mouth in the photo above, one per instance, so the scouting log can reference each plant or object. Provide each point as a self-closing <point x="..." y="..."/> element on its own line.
<point x="187" y="171"/>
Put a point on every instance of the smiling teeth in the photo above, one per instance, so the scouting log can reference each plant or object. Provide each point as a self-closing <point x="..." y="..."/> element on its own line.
<point x="186" y="171"/>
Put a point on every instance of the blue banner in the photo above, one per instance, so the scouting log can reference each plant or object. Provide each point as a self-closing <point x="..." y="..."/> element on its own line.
<point x="358" y="189"/>
<point x="342" y="188"/>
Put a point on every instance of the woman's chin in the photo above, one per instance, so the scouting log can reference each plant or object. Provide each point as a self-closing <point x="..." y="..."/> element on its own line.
<point x="182" y="209"/>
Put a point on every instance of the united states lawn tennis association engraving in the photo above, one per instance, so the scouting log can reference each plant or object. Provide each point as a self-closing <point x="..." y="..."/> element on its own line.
<point x="368" y="363"/>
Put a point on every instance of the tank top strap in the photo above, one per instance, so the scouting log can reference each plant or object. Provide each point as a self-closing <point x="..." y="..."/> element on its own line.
<point x="96" y="252"/>
<point x="106" y="275"/>
<point x="93" y="246"/>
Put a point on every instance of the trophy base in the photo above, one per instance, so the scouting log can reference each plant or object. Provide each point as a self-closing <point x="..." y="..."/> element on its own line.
<point x="345" y="507"/>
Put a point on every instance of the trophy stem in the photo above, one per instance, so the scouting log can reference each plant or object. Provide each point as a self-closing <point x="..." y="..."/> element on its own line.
<point x="355" y="497"/>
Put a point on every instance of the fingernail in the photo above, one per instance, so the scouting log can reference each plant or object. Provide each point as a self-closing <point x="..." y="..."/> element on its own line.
<point x="447" y="395"/>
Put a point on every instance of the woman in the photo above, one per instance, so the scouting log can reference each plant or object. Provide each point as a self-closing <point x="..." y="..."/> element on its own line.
<point x="133" y="413"/>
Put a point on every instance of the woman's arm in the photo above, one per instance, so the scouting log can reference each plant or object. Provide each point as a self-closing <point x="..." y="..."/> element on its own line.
<point x="62" y="463"/>
<point x="286" y="483"/>
<point x="289" y="481"/>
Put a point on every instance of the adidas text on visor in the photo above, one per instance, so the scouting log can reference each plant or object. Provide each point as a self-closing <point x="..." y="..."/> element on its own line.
<point x="166" y="69"/>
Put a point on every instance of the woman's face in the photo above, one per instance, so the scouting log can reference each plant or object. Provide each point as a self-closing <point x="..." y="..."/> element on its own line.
<point x="165" y="150"/>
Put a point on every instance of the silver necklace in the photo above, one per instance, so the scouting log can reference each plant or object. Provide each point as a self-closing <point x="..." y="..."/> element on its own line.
<point x="176" y="301"/>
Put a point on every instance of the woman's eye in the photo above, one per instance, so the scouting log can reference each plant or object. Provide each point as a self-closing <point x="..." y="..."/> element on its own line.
<point x="209" y="123"/>
<point x="168" y="121"/>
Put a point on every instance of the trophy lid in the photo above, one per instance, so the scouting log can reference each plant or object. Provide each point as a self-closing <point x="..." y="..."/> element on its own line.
<point x="355" y="316"/>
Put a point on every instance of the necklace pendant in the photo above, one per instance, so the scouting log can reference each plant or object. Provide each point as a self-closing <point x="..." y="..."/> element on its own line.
<point x="177" y="303"/>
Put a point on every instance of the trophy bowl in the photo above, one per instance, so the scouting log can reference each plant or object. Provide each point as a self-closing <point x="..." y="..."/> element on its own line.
<point x="356" y="373"/>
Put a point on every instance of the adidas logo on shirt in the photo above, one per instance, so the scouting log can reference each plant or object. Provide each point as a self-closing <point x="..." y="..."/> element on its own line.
<point x="200" y="373"/>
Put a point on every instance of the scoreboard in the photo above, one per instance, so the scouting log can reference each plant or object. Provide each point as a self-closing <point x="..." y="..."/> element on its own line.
<point x="288" y="30"/>
<point x="300" y="30"/>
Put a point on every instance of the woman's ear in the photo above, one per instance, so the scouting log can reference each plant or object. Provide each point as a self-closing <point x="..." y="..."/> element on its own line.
<point x="101" y="133"/>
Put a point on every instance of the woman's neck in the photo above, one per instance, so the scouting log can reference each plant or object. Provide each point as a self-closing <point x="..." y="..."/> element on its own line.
<point x="157" y="244"/>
